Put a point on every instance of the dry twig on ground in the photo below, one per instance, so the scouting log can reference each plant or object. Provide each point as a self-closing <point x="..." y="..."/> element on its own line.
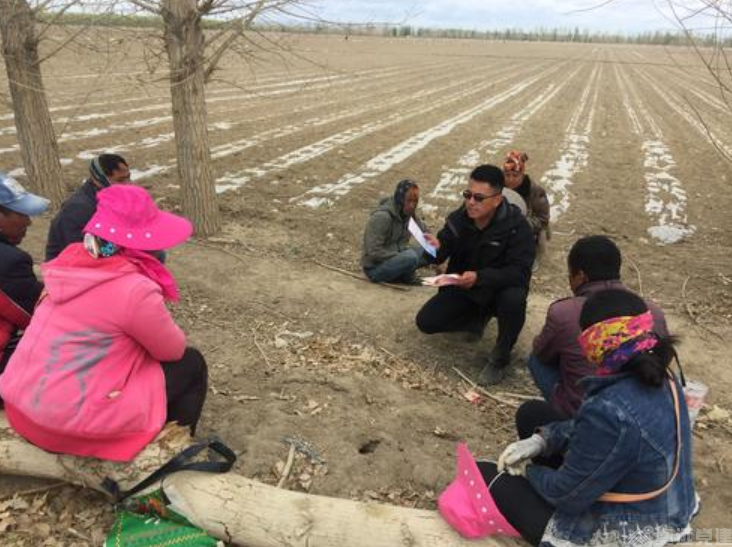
<point x="288" y="467"/>
<point x="357" y="276"/>
<point x="485" y="392"/>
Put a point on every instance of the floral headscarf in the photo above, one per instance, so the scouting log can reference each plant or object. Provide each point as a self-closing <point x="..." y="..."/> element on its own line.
<point x="613" y="342"/>
<point x="515" y="161"/>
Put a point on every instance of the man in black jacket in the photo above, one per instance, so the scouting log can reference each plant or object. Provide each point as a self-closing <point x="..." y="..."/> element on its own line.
<point x="491" y="246"/>
<point x="66" y="227"/>
<point x="19" y="287"/>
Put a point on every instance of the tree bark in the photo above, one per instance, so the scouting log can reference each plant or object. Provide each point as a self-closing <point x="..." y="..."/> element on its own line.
<point x="184" y="41"/>
<point x="242" y="511"/>
<point x="36" y="135"/>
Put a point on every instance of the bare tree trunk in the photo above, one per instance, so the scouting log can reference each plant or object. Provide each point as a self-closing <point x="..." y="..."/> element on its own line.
<point x="240" y="510"/>
<point x="184" y="42"/>
<point x="36" y="136"/>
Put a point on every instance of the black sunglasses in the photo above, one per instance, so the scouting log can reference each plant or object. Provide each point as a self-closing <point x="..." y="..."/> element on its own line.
<point x="479" y="198"/>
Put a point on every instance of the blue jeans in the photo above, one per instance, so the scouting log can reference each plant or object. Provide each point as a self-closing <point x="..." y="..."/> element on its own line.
<point x="545" y="377"/>
<point x="400" y="267"/>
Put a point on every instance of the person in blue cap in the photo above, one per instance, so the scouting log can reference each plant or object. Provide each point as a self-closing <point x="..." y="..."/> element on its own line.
<point x="66" y="227"/>
<point x="19" y="286"/>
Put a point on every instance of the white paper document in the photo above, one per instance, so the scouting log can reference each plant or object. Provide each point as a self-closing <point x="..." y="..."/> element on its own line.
<point x="441" y="280"/>
<point x="418" y="234"/>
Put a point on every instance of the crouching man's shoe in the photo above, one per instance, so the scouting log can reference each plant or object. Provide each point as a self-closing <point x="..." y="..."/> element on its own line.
<point x="495" y="370"/>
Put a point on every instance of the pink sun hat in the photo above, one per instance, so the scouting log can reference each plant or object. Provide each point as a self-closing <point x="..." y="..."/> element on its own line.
<point x="128" y="217"/>
<point x="467" y="504"/>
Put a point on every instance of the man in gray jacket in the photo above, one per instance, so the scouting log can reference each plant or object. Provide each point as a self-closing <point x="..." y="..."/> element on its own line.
<point x="387" y="256"/>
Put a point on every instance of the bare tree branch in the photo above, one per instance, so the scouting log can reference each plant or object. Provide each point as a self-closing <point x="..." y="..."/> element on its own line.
<point x="215" y="58"/>
<point x="147" y="6"/>
<point x="62" y="45"/>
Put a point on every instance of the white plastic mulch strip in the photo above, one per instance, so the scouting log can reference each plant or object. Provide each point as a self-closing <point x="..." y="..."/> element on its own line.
<point x="574" y="153"/>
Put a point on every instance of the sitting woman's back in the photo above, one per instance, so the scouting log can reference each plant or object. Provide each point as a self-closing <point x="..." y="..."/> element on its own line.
<point x="87" y="378"/>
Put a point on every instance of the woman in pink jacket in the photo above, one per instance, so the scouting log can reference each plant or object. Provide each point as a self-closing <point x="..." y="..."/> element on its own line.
<point x="102" y="365"/>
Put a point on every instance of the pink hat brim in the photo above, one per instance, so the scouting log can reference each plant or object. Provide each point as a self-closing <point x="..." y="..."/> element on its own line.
<point x="168" y="230"/>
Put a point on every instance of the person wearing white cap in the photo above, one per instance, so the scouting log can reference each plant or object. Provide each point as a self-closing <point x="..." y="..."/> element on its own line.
<point x="19" y="286"/>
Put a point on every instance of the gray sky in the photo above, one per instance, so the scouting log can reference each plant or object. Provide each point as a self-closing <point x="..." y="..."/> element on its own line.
<point x="618" y="16"/>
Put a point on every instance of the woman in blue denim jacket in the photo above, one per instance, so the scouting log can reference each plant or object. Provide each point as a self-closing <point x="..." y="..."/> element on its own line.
<point x="620" y="472"/>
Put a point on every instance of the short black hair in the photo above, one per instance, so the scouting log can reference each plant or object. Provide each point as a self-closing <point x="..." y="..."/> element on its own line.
<point x="110" y="162"/>
<point x="489" y="174"/>
<point x="597" y="256"/>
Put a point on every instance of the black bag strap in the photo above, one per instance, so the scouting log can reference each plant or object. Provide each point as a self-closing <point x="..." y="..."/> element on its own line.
<point x="682" y="378"/>
<point x="178" y="463"/>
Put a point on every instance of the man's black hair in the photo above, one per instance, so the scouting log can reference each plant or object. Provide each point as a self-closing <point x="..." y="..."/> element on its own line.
<point x="111" y="162"/>
<point x="597" y="256"/>
<point x="489" y="174"/>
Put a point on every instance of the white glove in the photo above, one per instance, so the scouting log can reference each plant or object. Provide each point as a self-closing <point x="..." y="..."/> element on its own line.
<point x="514" y="458"/>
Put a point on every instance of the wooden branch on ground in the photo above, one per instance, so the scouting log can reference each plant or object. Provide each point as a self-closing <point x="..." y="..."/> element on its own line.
<point x="259" y="347"/>
<point x="485" y="392"/>
<point x="638" y="275"/>
<point x="243" y="511"/>
<point x="288" y="467"/>
<point x="357" y="276"/>
<point x="222" y="250"/>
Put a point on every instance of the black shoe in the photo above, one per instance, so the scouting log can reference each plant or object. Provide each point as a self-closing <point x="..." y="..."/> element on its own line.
<point x="491" y="375"/>
<point x="495" y="370"/>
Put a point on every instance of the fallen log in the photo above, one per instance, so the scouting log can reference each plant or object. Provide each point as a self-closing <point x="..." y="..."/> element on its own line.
<point x="242" y="511"/>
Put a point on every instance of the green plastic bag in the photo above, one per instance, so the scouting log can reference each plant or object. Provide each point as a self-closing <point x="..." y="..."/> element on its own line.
<point x="148" y="521"/>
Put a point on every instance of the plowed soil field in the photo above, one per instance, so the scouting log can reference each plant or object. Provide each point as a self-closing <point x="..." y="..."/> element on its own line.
<point x="623" y="138"/>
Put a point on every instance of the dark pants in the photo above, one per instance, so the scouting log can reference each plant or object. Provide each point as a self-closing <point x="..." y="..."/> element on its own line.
<point x="453" y="310"/>
<point x="399" y="268"/>
<point x="186" y="385"/>
<point x="531" y="416"/>
<point x="517" y="500"/>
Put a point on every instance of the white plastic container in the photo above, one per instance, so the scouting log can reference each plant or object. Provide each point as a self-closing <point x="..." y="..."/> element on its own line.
<point x="695" y="392"/>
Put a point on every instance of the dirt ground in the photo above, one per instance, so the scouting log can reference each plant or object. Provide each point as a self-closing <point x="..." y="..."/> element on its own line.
<point x="299" y="351"/>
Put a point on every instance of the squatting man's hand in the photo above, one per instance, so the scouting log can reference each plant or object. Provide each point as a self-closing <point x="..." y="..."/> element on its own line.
<point x="516" y="455"/>
<point x="467" y="280"/>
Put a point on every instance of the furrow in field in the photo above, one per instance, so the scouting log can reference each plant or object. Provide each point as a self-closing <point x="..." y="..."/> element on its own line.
<point x="574" y="153"/>
<point x="263" y="91"/>
<point x="75" y="104"/>
<point x="705" y="130"/>
<point x="306" y="153"/>
<point x="162" y="138"/>
<point x="456" y="176"/>
<point x="221" y="126"/>
<point x="327" y="194"/>
<point x="234" y="147"/>
<point x="665" y="194"/>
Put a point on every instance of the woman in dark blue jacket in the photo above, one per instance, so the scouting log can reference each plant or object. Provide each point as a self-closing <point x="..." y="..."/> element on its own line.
<point x="620" y="472"/>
